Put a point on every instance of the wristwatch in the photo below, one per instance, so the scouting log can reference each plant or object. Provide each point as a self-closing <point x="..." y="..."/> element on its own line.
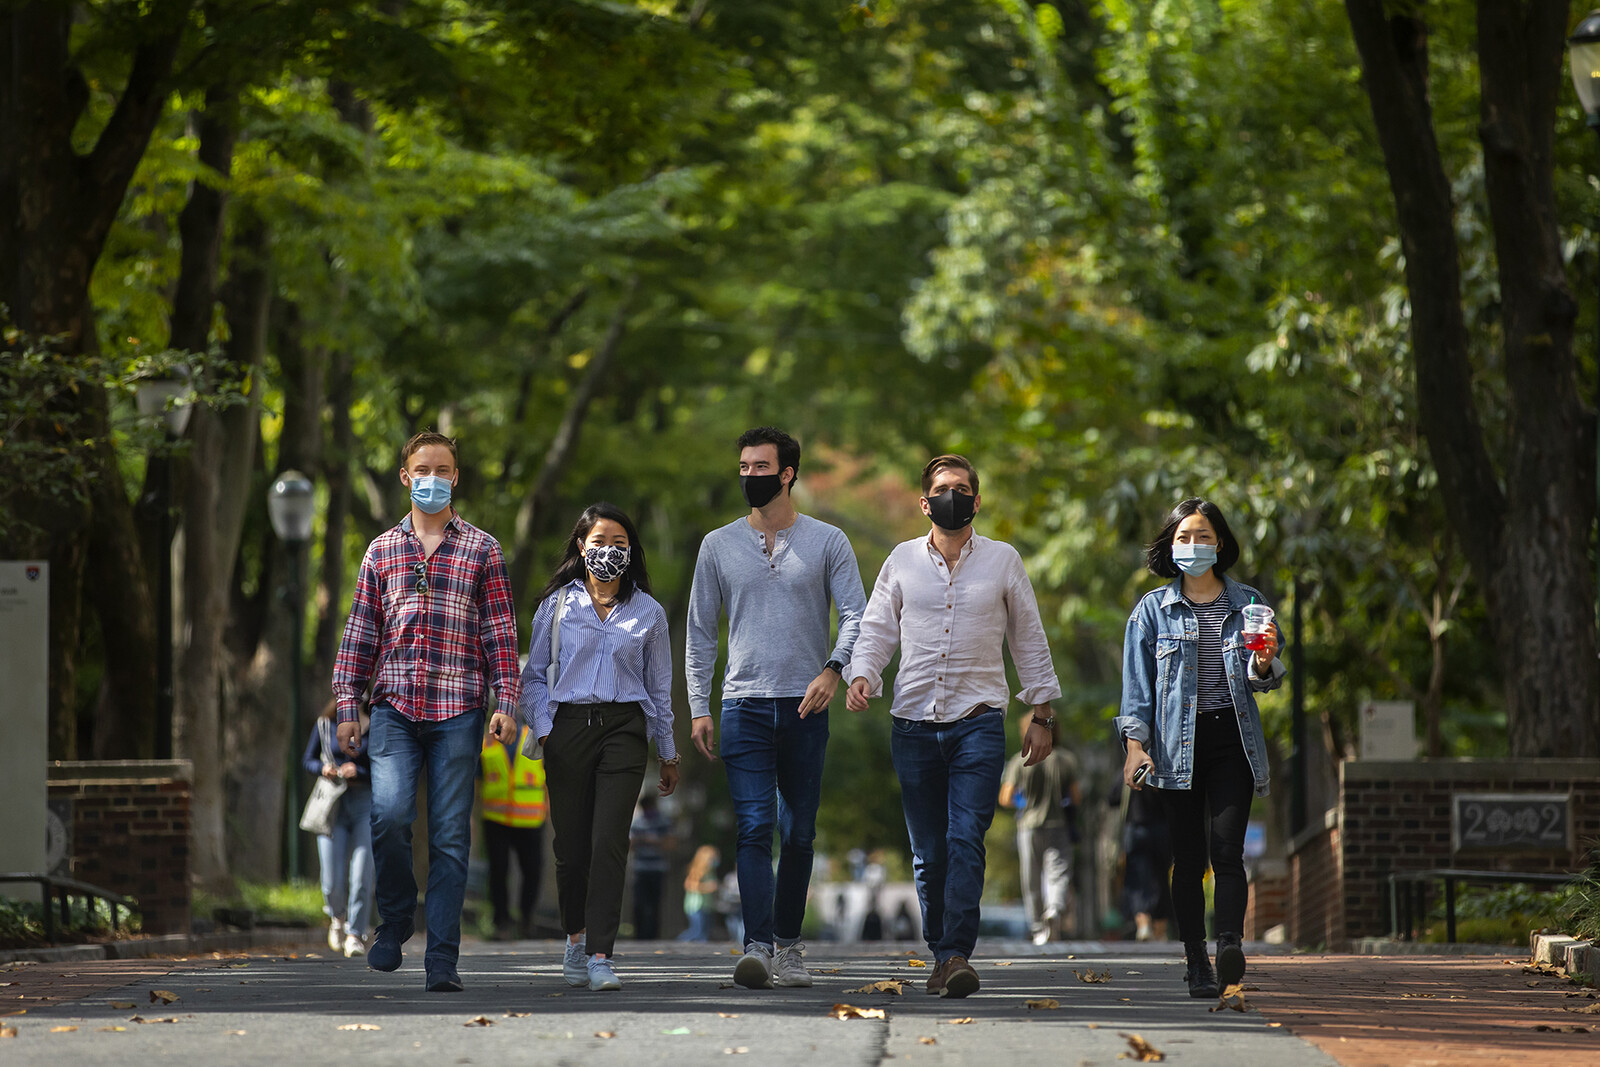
<point x="835" y="666"/>
<point x="1046" y="723"/>
<point x="673" y="762"/>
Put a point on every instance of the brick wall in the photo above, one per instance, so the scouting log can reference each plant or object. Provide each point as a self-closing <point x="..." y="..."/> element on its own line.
<point x="1394" y="815"/>
<point x="130" y="833"/>
<point x="1268" y="902"/>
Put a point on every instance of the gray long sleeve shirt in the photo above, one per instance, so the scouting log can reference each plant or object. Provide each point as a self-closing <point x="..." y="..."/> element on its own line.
<point x="777" y="609"/>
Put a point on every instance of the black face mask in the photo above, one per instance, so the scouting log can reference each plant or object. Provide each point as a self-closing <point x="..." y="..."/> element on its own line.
<point x="952" y="510"/>
<point x="759" y="489"/>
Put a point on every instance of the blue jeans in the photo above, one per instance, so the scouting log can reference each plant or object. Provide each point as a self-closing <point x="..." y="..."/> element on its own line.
<point x="400" y="749"/>
<point x="345" y="857"/>
<point x="774" y="761"/>
<point x="949" y="781"/>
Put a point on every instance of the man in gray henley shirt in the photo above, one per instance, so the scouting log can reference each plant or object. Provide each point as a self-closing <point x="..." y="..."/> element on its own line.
<point x="774" y="571"/>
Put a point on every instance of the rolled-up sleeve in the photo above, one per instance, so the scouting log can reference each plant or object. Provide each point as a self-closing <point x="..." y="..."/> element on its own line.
<point x="1030" y="649"/>
<point x="880" y="630"/>
<point x="1275" y="670"/>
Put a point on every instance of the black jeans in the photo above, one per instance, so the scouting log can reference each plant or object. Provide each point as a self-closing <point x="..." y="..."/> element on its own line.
<point x="594" y="764"/>
<point x="1222" y="782"/>
<point x="500" y="841"/>
<point x="647" y="887"/>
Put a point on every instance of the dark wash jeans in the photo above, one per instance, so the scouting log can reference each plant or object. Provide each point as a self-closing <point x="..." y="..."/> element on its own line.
<point x="774" y="760"/>
<point x="949" y="782"/>
<point x="1224" y="783"/>
<point x="401" y="749"/>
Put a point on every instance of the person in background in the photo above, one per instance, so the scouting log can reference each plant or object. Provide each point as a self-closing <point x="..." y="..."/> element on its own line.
<point x="700" y="887"/>
<point x="431" y="627"/>
<point x="515" y="805"/>
<point x="1189" y="715"/>
<point x="345" y="856"/>
<point x="611" y="694"/>
<point x="1146" y="861"/>
<point x="1046" y="796"/>
<point x="953" y="601"/>
<point x="650" y="837"/>
<point x="776" y="572"/>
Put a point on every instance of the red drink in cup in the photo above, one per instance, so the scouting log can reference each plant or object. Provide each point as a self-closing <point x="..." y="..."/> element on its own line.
<point x="1257" y="624"/>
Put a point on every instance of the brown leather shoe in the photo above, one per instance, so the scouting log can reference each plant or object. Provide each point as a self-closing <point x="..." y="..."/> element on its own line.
<point x="936" y="980"/>
<point x="960" y="980"/>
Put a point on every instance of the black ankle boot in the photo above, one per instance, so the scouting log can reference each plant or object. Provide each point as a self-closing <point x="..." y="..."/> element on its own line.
<point x="1202" y="981"/>
<point x="1230" y="959"/>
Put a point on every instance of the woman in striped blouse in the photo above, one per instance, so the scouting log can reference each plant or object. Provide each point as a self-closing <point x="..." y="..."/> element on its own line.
<point x="594" y="705"/>
<point x="1190" y="725"/>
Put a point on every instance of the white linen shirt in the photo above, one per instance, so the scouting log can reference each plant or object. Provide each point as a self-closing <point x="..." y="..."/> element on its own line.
<point x="949" y="625"/>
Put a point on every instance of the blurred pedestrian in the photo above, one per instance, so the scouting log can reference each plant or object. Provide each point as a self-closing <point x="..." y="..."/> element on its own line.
<point x="430" y="626"/>
<point x="596" y="689"/>
<point x="700" y="885"/>
<point x="515" y="805"/>
<point x="951" y="601"/>
<point x="776" y="572"/>
<point x="345" y="855"/>
<point x="1146" y="862"/>
<point x="650" y="837"/>
<point x="1045" y="796"/>
<point x="1189" y="716"/>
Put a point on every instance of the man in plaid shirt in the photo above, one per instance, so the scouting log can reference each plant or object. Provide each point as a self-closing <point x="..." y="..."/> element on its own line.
<point x="431" y="622"/>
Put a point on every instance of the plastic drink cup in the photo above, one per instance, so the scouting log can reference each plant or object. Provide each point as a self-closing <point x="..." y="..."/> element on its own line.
<point x="1257" y="624"/>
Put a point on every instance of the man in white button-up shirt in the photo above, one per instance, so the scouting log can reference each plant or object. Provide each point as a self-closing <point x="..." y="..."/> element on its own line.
<point x="949" y="601"/>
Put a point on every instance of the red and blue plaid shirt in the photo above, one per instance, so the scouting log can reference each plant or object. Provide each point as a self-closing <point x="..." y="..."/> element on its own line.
<point x="426" y="651"/>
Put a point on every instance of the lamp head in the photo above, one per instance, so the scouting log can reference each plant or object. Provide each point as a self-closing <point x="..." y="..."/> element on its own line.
<point x="1584" y="52"/>
<point x="167" y="396"/>
<point x="292" y="505"/>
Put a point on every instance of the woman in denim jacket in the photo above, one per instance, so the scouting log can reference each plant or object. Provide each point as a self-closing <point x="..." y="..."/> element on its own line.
<point x="1189" y="718"/>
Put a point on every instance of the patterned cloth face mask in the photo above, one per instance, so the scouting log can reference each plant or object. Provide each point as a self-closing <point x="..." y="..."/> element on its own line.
<point x="607" y="562"/>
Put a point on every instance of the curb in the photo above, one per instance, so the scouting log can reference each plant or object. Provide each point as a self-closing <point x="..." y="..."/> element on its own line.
<point x="1568" y="953"/>
<point x="1383" y="946"/>
<point x="170" y="945"/>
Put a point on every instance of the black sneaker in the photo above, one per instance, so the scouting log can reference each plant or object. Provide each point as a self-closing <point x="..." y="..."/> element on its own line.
<point x="384" y="953"/>
<point x="1202" y="981"/>
<point x="444" y="980"/>
<point x="1230" y="960"/>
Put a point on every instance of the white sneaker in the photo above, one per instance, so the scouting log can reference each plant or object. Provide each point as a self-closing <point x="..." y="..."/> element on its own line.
<point x="754" y="970"/>
<point x="575" y="964"/>
<point x="602" y="975"/>
<point x="354" y="946"/>
<point x="336" y="934"/>
<point x="789" y="967"/>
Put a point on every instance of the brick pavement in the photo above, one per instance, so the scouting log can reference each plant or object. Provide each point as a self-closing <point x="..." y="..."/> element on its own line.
<point x="1398" y="1011"/>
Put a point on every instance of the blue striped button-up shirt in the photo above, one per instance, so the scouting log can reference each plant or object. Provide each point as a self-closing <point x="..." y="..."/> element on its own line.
<point x="627" y="657"/>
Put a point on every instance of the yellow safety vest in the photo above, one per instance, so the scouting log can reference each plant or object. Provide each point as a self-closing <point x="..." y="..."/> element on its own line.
<point x="513" y="793"/>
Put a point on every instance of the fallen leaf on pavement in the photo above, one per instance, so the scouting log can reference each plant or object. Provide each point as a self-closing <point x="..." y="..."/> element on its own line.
<point x="62" y="1029"/>
<point x="555" y="994"/>
<point x="202" y="990"/>
<point x="888" y="985"/>
<point x="8" y="1031"/>
<point x="1142" y="1050"/>
<point x="1533" y="985"/>
<point x="1588" y="1009"/>
<point x="122" y="1005"/>
<point x="236" y="1033"/>
<point x="727" y="1015"/>
<point x="165" y="996"/>
<point x="735" y="952"/>
<point x="912" y="953"/>
<point x="361" y="1026"/>
<point x="1135" y="972"/>
<point x="1418" y="996"/>
<point x="677" y="1031"/>
<point x="479" y="1020"/>
<point x="113" y="1029"/>
<point x="720" y="985"/>
<point x="1044" y="1004"/>
<point x="850" y="1011"/>
<point x="916" y="963"/>
<point x="168" y="1019"/>
<point x="1274" y="1024"/>
<point x="1003" y="963"/>
<point x="964" y="1020"/>
<point x="927" y="1041"/>
<point x="1232" y="997"/>
<point x="1546" y="1028"/>
<point x="606" y="1034"/>
<point x="1094" y="1026"/>
<point x="736" y="1051"/>
<point x="827" y="970"/>
<point x="7" y="983"/>
<point x="1092" y="977"/>
<point x="518" y="1014"/>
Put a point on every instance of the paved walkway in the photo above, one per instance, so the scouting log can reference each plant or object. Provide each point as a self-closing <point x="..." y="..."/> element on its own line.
<point x="313" y="1006"/>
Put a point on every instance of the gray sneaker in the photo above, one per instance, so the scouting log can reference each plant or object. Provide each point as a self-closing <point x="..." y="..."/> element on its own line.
<point x="754" y="970"/>
<point x="575" y="964"/>
<point x="601" y="974"/>
<point x="789" y="967"/>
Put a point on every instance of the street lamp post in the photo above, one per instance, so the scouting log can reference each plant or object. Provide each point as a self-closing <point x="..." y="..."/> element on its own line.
<point x="291" y="503"/>
<point x="1584" y="51"/>
<point x="166" y="397"/>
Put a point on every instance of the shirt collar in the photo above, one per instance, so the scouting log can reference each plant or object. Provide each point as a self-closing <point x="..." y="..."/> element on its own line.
<point x="966" y="549"/>
<point x="1174" y="592"/>
<point x="454" y="522"/>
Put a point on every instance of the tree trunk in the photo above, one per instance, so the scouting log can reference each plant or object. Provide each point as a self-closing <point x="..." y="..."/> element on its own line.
<point x="1529" y="542"/>
<point x="341" y="452"/>
<point x="532" y="510"/>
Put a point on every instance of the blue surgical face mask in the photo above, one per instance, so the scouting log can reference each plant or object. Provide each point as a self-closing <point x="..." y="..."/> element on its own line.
<point x="430" y="492"/>
<point x="1194" y="560"/>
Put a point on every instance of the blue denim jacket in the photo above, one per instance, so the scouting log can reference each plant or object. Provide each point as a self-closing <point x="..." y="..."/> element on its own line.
<point x="1160" y="657"/>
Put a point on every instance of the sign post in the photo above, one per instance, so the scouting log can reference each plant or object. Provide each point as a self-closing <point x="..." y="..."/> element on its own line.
<point x="25" y="667"/>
